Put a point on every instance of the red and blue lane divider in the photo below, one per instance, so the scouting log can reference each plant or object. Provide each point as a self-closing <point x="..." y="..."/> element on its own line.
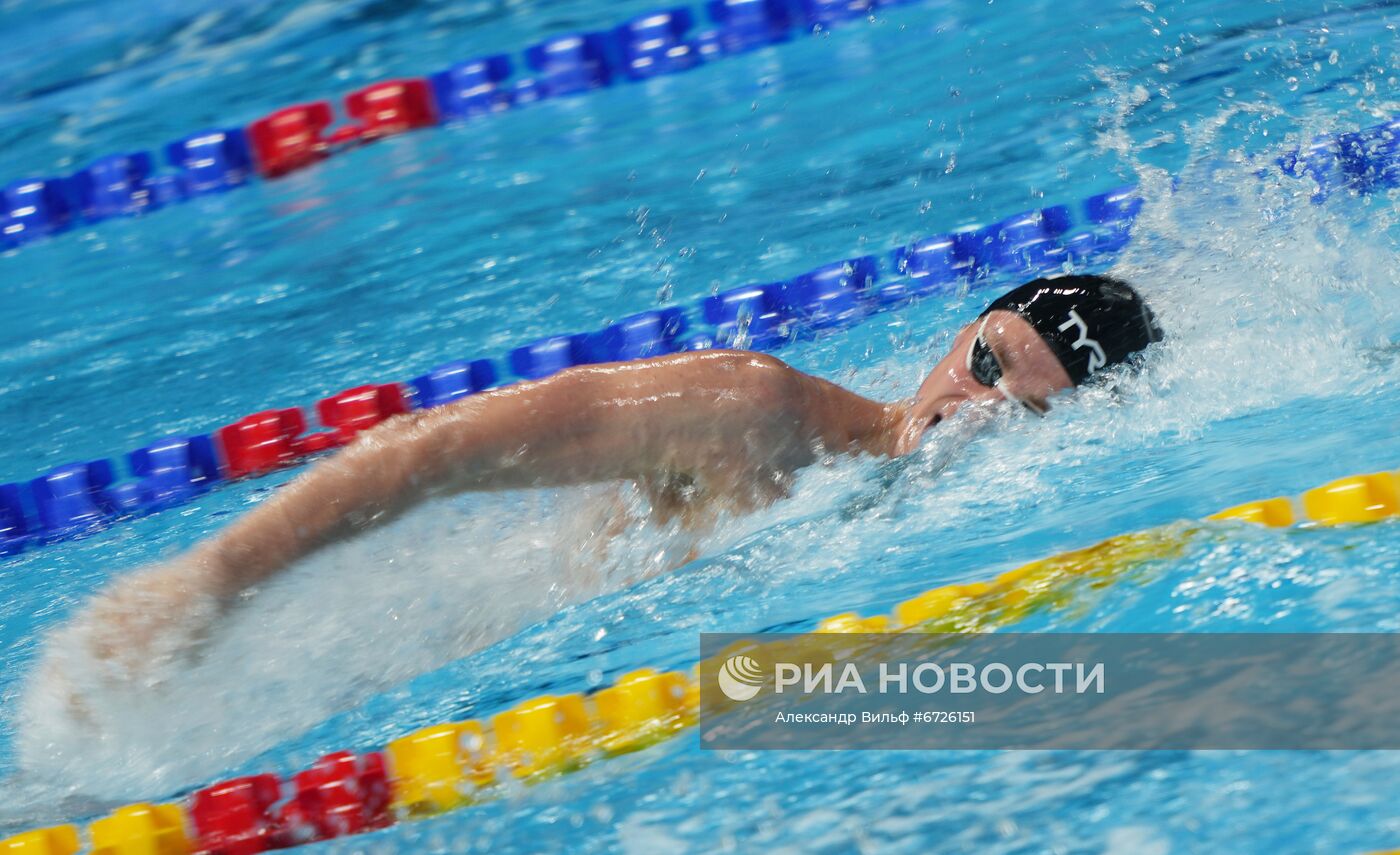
<point x="655" y="43"/>
<point x="80" y="498"/>
<point x="218" y="159"/>
<point x="650" y="44"/>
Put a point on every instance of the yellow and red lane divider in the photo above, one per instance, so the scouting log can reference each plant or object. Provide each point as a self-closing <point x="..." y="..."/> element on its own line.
<point x="445" y="766"/>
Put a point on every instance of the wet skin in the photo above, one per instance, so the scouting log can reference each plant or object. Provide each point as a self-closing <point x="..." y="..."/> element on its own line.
<point x="695" y="431"/>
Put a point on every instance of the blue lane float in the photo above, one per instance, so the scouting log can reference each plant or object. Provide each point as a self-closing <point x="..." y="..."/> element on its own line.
<point x="640" y="336"/>
<point x="656" y="43"/>
<point x="170" y="472"/>
<point x="1319" y="161"/>
<point x="1035" y="225"/>
<point x="14" y="524"/>
<point x="73" y="500"/>
<point x="452" y="380"/>
<point x="1081" y="247"/>
<point x="753" y="316"/>
<point x="477" y="87"/>
<point x="526" y="91"/>
<point x="1114" y="207"/>
<point x="570" y="64"/>
<point x="745" y="25"/>
<point x="832" y="295"/>
<point x="932" y="262"/>
<point x="972" y="246"/>
<point x="543" y="357"/>
<point x="826" y="13"/>
<point x="1371" y="157"/>
<point x="114" y="186"/>
<point x="36" y="208"/>
<point x="212" y="161"/>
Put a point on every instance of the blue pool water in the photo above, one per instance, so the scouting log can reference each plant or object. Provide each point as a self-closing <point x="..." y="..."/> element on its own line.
<point x="1280" y="373"/>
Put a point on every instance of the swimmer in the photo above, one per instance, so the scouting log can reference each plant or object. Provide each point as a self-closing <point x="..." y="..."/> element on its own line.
<point x="695" y="431"/>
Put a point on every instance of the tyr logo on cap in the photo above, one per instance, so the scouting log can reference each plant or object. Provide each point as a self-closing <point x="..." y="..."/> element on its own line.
<point x="1097" y="359"/>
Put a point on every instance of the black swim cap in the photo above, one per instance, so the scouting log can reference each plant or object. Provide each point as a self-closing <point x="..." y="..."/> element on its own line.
<point x="1091" y="322"/>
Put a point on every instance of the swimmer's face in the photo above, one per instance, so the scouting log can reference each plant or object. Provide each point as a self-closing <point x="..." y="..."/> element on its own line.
<point x="1031" y="373"/>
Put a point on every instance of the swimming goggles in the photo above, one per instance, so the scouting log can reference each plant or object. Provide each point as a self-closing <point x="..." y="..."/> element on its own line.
<point x="986" y="369"/>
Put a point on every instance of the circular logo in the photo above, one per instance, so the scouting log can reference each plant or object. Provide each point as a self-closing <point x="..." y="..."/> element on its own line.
<point x="740" y="678"/>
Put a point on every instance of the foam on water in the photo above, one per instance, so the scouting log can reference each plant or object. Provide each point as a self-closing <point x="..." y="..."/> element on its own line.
<point x="358" y="616"/>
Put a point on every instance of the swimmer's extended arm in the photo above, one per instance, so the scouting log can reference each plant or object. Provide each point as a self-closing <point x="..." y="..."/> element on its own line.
<point x="710" y="412"/>
<point x="727" y="418"/>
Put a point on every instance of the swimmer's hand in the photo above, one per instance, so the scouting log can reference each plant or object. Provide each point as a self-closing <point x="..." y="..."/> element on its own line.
<point x="152" y="620"/>
<point x="140" y="631"/>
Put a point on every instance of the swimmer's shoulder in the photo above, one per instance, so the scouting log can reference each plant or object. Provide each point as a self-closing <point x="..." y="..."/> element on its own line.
<point x="719" y="360"/>
<point x="755" y="377"/>
<point x="809" y="407"/>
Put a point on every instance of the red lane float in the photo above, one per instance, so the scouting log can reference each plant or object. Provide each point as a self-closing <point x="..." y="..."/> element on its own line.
<point x="392" y="107"/>
<point x="297" y="136"/>
<point x="235" y="817"/>
<point x="342" y="794"/>
<point x="290" y="138"/>
<point x="267" y="441"/>
<point x="361" y="408"/>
